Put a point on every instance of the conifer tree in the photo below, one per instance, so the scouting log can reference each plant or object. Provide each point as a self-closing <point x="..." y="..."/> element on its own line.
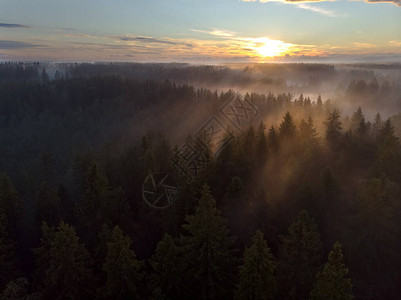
<point x="69" y="275"/>
<point x="166" y="278"/>
<point x="287" y="127"/>
<point x="332" y="281"/>
<point x="122" y="268"/>
<point x="300" y="255"/>
<point x="272" y="139"/>
<point x="11" y="204"/>
<point x="48" y="206"/>
<point x="256" y="276"/>
<point x="333" y="129"/>
<point x="208" y="251"/>
<point x="91" y="210"/>
<point x="7" y="259"/>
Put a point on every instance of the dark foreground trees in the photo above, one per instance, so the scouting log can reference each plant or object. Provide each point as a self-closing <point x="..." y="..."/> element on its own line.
<point x="208" y="252"/>
<point x="256" y="275"/>
<point x="332" y="281"/>
<point x="87" y="162"/>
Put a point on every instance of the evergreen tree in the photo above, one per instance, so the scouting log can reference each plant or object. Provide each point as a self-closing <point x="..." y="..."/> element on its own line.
<point x="7" y="259"/>
<point x="17" y="290"/>
<point x="91" y="210"/>
<point x="208" y="251"/>
<point x="308" y="134"/>
<point x="373" y="238"/>
<point x="333" y="129"/>
<point x="319" y="105"/>
<point x="256" y="276"/>
<point x="287" y="127"/>
<point x="11" y="205"/>
<point x="48" y="206"/>
<point x="67" y="203"/>
<point x="42" y="255"/>
<point x="261" y="147"/>
<point x="272" y="139"/>
<point x="332" y="281"/>
<point x="377" y="125"/>
<point x="166" y="278"/>
<point x="69" y="275"/>
<point x="121" y="267"/>
<point x="356" y="119"/>
<point x="117" y="209"/>
<point x="300" y="256"/>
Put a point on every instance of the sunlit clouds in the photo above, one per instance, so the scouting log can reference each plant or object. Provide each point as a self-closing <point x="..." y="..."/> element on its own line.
<point x="212" y="46"/>
<point x="396" y="2"/>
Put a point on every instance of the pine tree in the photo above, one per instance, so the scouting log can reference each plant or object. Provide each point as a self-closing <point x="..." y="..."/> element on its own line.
<point x="7" y="259"/>
<point x="308" y="134"/>
<point x="333" y="129"/>
<point x="166" y="278"/>
<point x="256" y="277"/>
<point x="69" y="275"/>
<point x="67" y="204"/>
<point x="272" y="139"/>
<point x="287" y="127"/>
<point x="261" y="147"/>
<point x="356" y="119"/>
<point x="208" y="251"/>
<point x="122" y="268"/>
<point x="11" y="204"/>
<point x="91" y="210"/>
<point x="332" y="281"/>
<point x="377" y="125"/>
<point x="48" y="206"/>
<point x="16" y="290"/>
<point x="319" y="105"/>
<point x="42" y="255"/>
<point x="300" y="255"/>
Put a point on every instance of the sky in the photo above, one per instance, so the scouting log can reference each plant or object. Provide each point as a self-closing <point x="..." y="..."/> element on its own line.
<point x="200" y="31"/>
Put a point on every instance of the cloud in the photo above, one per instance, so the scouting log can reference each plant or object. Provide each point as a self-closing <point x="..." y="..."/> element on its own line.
<point x="396" y="2"/>
<point x="319" y="10"/>
<point x="8" y="25"/>
<point x="395" y="43"/>
<point x="4" y="44"/>
<point x="216" y="32"/>
<point x="146" y="40"/>
<point x="151" y="40"/>
<point x="364" y="45"/>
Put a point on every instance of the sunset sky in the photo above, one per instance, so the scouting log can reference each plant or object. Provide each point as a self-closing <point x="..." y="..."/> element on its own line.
<point x="200" y="31"/>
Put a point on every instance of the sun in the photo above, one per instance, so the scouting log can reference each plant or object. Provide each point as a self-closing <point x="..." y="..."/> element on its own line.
<point x="266" y="47"/>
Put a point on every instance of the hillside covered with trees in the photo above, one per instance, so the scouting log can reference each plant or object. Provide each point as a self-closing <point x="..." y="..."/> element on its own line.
<point x="302" y="202"/>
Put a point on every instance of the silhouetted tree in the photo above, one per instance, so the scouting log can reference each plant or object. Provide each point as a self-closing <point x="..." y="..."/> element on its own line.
<point x="208" y="251"/>
<point x="287" y="127"/>
<point x="332" y="281"/>
<point x="122" y="268"/>
<point x="69" y="275"/>
<point x="333" y="129"/>
<point x="256" y="276"/>
<point x="167" y="272"/>
<point x="300" y="257"/>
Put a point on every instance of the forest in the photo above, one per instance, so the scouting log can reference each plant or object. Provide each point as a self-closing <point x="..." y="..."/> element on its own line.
<point x="284" y="181"/>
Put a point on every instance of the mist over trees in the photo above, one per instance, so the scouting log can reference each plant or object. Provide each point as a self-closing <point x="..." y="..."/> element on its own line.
<point x="301" y="203"/>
